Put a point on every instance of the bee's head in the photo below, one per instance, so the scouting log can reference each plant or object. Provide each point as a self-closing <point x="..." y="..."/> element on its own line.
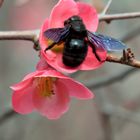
<point x="76" y="24"/>
<point x="72" y="19"/>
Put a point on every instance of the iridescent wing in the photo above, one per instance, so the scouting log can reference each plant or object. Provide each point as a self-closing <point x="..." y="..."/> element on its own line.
<point x="105" y="42"/>
<point x="56" y="34"/>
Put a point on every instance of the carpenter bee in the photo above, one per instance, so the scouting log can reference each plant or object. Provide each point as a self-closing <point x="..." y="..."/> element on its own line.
<point x="76" y="40"/>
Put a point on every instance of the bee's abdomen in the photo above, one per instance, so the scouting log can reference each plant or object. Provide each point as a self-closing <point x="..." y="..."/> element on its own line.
<point x="75" y="51"/>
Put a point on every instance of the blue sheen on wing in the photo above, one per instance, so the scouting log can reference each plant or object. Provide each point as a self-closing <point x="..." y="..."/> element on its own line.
<point x="108" y="43"/>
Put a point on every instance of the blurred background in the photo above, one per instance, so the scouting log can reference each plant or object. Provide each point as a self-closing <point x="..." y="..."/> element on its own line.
<point x="115" y="112"/>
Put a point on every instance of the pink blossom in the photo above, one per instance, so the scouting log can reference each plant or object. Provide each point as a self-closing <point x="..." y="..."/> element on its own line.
<point x="59" y="14"/>
<point x="47" y="91"/>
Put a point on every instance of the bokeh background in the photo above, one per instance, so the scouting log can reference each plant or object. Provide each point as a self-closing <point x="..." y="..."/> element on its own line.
<point x="115" y="112"/>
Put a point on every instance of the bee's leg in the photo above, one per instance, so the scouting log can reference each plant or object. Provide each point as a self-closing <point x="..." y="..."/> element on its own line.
<point x="51" y="46"/>
<point x="94" y="51"/>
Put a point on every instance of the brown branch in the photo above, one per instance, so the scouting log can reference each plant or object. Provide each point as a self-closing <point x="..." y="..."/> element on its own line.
<point x="33" y="36"/>
<point x="116" y="59"/>
<point x="110" y="17"/>
<point x="20" y="35"/>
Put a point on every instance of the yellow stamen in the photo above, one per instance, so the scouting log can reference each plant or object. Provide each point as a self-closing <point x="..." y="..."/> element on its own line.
<point x="58" y="48"/>
<point x="45" y="86"/>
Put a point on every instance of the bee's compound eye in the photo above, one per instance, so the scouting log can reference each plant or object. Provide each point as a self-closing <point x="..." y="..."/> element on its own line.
<point x="66" y="22"/>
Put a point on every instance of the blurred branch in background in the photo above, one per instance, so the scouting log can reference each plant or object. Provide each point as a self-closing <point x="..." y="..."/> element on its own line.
<point x="131" y="34"/>
<point x="7" y="115"/>
<point x="122" y="113"/>
<point x="109" y="17"/>
<point x="21" y="2"/>
<point x="106" y="7"/>
<point x="106" y="124"/>
<point x="1" y="2"/>
<point x="112" y="80"/>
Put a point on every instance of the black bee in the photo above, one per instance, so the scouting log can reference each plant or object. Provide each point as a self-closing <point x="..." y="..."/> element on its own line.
<point x="76" y="40"/>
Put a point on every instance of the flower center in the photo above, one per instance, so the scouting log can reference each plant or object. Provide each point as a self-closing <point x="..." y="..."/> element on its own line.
<point x="58" y="48"/>
<point x="45" y="86"/>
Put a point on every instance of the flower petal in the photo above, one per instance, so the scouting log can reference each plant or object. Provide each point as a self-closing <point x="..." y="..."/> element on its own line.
<point x="62" y="11"/>
<point x="91" y="61"/>
<point x="42" y="40"/>
<point x="42" y="64"/>
<point x="77" y="89"/>
<point x="21" y="85"/>
<point x="33" y="74"/>
<point x="22" y="100"/>
<point x="55" y="60"/>
<point x="45" y="25"/>
<point x="89" y="16"/>
<point x="56" y="105"/>
<point x="26" y="81"/>
<point x="51" y="73"/>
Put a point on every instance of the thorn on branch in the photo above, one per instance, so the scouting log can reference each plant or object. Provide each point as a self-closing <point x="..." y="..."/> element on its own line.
<point x="128" y="56"/>
<point x="36" y="46"/>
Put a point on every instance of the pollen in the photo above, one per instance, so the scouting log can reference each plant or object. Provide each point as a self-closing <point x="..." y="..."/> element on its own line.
<point x="58" y="48"/>
<point x="45" y="86"/>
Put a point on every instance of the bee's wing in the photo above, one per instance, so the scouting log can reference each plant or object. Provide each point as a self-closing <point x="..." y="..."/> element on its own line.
<point x="56" y="34"/>
<point x="105" y="42"/>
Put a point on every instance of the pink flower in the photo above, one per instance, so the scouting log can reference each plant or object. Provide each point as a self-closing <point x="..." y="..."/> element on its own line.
<point x="61" y="12"/>
<point x="47" y="91"/>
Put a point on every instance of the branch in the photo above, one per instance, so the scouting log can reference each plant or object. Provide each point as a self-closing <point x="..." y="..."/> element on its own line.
<point x="106" y="125"/>
<point x="116" y="59"/>
<point x="1" y="2"/>
<point x="111" y="80"/>
<point x="7" y="115"/>
<point x="122" y="113"/>
<point x="20" y="35"/>
<point x="106" y="7"/>
<point x="109" y="17"/>
<point x="130" y="35"/>
<point x="33" y="36"/>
